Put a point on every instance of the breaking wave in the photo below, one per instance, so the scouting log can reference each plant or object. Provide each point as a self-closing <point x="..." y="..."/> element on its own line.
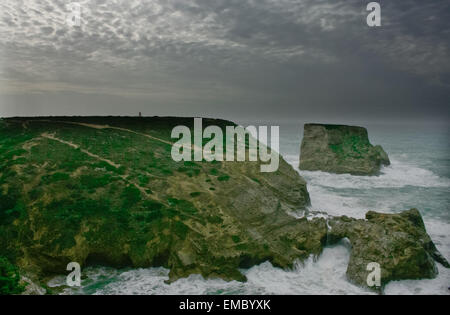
<point x="398" y="174"/>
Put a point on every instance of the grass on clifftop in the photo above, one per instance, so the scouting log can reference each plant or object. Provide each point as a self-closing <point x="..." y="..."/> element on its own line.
<point x="66" y="176"/>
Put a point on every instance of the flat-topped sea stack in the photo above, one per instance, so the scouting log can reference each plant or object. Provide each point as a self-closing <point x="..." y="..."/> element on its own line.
<point x="340" y="149"/>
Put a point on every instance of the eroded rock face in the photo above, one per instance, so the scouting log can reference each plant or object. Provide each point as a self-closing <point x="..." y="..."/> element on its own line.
<point x="399" y="243"/>
<point x="106" y="191"/>
<point x="340" y="149"/>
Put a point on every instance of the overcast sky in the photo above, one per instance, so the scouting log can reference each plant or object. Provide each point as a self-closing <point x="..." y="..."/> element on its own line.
<point x="266" y="59"/>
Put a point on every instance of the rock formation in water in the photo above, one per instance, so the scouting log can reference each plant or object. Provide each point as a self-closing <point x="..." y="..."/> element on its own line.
<point x="106" y="191"/>
<point x="399" y="243"/>
<point x="340" y="149"/>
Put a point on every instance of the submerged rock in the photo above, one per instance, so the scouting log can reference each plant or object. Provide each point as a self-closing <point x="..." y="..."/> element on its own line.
<point x="399" y="243"/>
<point x="340" y="149"/>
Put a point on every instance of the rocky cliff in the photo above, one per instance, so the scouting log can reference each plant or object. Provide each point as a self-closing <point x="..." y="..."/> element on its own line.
<point x="106" y="191"/>
<point x="340" y="149"/>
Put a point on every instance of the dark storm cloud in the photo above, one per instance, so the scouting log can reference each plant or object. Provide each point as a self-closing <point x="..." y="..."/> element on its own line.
<point x="265" y="58"/>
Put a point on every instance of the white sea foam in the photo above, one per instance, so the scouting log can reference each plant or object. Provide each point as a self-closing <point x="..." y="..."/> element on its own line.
<point x="399" y="174"/>
<point x="334" y="204"/>
<point x="327" y="194"/>
<point x="396" y="175"/>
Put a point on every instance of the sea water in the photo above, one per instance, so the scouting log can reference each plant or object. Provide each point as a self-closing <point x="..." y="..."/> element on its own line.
<point x="418" y="177"/>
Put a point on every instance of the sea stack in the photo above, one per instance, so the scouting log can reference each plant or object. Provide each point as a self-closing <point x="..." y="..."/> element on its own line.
<point x="340" y="149"/>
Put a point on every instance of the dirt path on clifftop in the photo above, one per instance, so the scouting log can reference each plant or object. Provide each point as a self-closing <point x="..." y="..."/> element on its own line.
<point x="52" y="137"/>
<point x="95" y="156"/>
<point x="96" y="126"/>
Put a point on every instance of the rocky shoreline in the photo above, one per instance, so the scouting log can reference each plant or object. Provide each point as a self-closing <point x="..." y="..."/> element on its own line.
<point x="399" y="243"/>
<point x="60" y="204"/>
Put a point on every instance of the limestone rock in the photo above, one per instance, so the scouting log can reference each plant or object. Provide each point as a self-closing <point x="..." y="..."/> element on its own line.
<point x="398" y="242"/>
<point x="340" y="149"/>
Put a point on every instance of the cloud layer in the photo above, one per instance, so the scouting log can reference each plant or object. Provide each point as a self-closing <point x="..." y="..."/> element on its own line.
<point x="256" y="58"/>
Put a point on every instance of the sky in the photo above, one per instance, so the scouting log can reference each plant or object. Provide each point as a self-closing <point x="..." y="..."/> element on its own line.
<point x="233" y="59"/>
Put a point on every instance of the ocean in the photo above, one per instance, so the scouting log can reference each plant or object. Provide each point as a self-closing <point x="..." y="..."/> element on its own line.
<point x="418" y="177"/>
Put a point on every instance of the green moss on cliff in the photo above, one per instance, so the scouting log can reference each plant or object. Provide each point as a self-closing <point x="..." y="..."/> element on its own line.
<point x="352" y="146"/>
<point x="9" y="278"/>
